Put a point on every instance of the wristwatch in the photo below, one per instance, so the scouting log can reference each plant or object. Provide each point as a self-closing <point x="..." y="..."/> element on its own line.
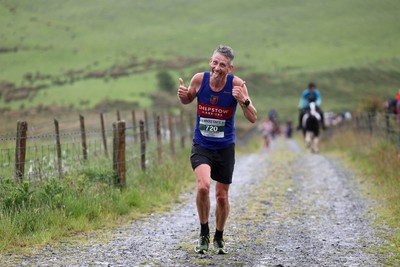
<point x="246" y="103"/>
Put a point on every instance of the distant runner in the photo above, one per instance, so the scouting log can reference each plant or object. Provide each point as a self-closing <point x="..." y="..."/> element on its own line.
<point x="213" y="151"/>
<point x="267" y="128"/>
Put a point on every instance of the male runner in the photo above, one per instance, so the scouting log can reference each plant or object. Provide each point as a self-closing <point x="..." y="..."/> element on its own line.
<point x="213" y="151"/>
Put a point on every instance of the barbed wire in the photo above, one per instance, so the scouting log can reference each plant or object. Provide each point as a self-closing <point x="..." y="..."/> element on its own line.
<point x="42" y="158"/>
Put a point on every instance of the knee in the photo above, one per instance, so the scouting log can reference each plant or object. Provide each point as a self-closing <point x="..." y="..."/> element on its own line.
<point x="203" y="188"/>
<point x="222" y="199"/>
<point x="203" y="191"/>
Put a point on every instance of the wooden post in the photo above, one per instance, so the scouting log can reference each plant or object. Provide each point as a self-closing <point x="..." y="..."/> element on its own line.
<point x="103" y="133"/>
<point x="370" y="123"/>
<point x="387" y="125"/>
<point x="398" y="126"/>
<point x="171" y="133"/>
<point x="119" y="163"/>
<point x="378" y="121"/>
<point x="155" y="122"/>
<point x="362" y="121"/>
<point x="356" y="124"/>
<point x="20" y="150"/>
<point x="118" y="115"/>
<point x="115" y="150"/>
<point x="58" y="147"/>
<point x="134" y="127"/>
<point x="183" y="129"/>
<point x="142" y="146"/>
<point x="83" y="135"/>
<point x="164" y="125"/>
<point x="146" y="121"/>
<point x="159" y="142"/>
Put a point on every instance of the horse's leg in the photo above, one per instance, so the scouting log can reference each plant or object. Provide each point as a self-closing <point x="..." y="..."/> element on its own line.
<point x="315" y="145"/>
<point x="308" y="139"/>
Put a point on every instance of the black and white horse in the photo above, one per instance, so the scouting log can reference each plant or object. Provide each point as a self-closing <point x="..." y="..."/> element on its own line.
<point x="310" y="126"/>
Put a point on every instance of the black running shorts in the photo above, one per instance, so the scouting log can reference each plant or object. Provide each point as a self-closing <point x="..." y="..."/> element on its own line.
<point x="221" y="161"/>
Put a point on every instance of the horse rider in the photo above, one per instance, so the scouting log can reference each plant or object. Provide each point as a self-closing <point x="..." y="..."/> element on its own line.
<point x="311" y="94"/>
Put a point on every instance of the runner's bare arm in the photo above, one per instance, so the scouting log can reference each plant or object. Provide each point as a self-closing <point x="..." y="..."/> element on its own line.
<point x="188" y="94"/>
<point x="241" y="94"/>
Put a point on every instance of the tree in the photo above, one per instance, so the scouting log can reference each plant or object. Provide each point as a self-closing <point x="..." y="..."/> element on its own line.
<point x="165" y="81"/>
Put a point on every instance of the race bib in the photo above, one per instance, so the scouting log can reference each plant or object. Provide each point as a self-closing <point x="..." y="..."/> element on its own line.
<point x="212" y="127"/>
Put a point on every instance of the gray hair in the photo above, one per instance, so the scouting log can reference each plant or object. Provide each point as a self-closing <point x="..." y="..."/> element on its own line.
<point x="226" y="51"/>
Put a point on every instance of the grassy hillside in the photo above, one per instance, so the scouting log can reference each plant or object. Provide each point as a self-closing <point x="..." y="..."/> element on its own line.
<point x="77" y="54"/>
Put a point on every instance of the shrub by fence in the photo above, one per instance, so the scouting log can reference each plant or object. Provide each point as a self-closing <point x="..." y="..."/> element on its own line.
<point x="60" y="147"/>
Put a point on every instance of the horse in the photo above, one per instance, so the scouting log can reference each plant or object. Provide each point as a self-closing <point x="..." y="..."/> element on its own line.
<point x="310" y="126"/>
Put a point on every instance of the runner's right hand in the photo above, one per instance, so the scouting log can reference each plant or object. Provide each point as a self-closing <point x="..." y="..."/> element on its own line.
<point x="182" y="90"/>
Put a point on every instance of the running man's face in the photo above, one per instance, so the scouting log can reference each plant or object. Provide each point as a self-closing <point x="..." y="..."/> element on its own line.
<point x="220" y="66"/>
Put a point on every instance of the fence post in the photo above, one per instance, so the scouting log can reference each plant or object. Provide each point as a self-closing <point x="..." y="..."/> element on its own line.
<point x="103" y="134"/>
<point x="159" y="142"/>
<point x="134" y="127"/>
<point x="58" y="147"/>
<point x="155" y="122"/>
<point x="83" y="135"/>
<point x="142" y="146"/>
<point x="387" y="125"/>
<point x="164" y="125"/>
<point x="356" y="121"/>
<point x="377" y="121"/>
<point x="398" y="126"/>
<point x="119" y="163"/>
<point x="171" y="133"/>
<point x="146" y="121"/>
<point x="183" y="129"/>
<point x="20" y="150"/>
<point x="370" y="123"/>
<point x="362" y="121"/>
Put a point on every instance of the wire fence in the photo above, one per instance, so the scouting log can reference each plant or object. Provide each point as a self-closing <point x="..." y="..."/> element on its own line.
<point x="93" y="143"/>
<point x="109" y="145"/>
<point x="377" y="125"/>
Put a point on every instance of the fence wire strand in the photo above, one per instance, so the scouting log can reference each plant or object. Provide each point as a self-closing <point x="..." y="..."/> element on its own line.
<point x="42" y="160"/>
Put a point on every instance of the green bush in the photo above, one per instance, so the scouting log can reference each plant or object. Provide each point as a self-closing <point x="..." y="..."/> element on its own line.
<point x="165" y="81"/>
<point x="52" y="193"/>
<point x="14" y="196"/>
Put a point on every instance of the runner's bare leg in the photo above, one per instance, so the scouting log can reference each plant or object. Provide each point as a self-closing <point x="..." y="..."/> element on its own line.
<point x="222" y="206"/>
<point x="203" y="174"/>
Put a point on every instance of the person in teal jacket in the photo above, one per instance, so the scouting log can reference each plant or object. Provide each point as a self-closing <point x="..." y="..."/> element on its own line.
<point x="311" y="94"/>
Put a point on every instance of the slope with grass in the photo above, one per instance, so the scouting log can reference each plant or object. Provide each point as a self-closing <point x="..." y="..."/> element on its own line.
<point x="291" y="42"/>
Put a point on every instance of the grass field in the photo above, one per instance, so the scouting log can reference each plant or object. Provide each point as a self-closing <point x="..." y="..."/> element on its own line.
<point x="65" y="53"/>
<point x="288" y="42"/>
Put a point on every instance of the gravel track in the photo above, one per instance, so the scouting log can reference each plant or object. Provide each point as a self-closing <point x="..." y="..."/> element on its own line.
<point x="288" y="208"/>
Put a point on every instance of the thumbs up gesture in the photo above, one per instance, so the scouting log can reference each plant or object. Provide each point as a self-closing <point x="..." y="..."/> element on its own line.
<point x="182" y="84"/>
<point x="183" y="93"/>
<point x="182" y="90"/>
<point x="239" y="92"/>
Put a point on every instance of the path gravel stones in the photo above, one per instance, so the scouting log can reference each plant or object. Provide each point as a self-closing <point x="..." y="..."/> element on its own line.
<point x="288" y="208"/>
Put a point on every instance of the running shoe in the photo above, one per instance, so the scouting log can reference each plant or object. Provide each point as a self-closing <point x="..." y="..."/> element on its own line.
<point x="202" y="245"/>
<point x="219" y="246"/>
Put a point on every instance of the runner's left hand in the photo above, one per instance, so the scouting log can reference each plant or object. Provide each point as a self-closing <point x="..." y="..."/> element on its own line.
<point x="238" y="93"/>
